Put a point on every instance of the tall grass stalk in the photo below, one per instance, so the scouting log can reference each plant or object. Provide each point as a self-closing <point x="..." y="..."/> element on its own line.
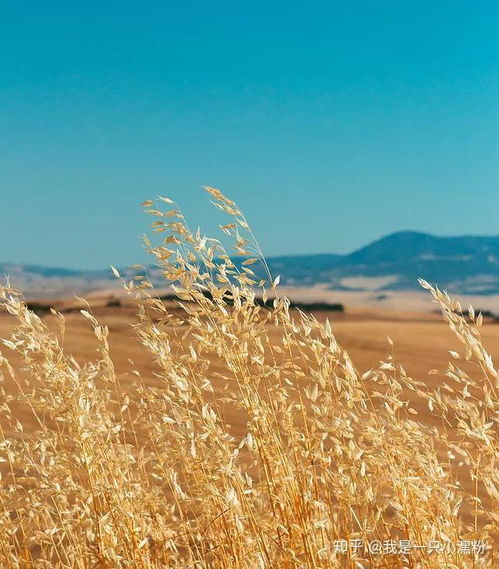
<point x="258" y="445"/>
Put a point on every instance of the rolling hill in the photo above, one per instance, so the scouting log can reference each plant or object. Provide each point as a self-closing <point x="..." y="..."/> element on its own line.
<point x="462" y="265"/>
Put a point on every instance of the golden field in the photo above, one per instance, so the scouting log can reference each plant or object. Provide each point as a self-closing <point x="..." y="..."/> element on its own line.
<point x="421" y="341"/>
<point x="211" y="432"/>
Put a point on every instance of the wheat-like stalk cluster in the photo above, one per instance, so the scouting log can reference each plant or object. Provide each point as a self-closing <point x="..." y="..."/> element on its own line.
<point x="258" y="445"/>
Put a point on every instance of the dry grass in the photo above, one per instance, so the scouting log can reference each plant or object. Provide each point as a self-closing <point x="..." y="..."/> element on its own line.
<point x="149" y="477"/>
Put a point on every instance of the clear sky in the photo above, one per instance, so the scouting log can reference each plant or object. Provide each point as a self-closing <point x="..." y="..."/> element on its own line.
<point x="332" y="123"/>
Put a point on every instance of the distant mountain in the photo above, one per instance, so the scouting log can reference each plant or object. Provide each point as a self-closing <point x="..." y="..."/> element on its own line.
<point x="462" y="265"/>
<point x="41" y="281"/>
<point x="465" y="265"/>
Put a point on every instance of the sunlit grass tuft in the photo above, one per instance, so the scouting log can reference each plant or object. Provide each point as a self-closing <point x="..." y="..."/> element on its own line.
<point x="136" y="476"/>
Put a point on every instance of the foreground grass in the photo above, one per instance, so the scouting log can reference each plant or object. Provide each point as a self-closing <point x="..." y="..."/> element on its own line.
<point x="335" y="468"/>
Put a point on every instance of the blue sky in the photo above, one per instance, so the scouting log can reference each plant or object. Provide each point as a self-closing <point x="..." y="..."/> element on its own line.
<point x="331" y="123"/>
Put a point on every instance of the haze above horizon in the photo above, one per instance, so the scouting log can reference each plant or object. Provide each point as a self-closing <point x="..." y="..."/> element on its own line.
<point x="331" y="124"/>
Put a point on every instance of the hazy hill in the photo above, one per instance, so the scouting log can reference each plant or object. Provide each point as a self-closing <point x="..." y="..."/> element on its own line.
<point x="40" y="281"/>
<point x="463" y="265"/>
<point x="467" y="264"/>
